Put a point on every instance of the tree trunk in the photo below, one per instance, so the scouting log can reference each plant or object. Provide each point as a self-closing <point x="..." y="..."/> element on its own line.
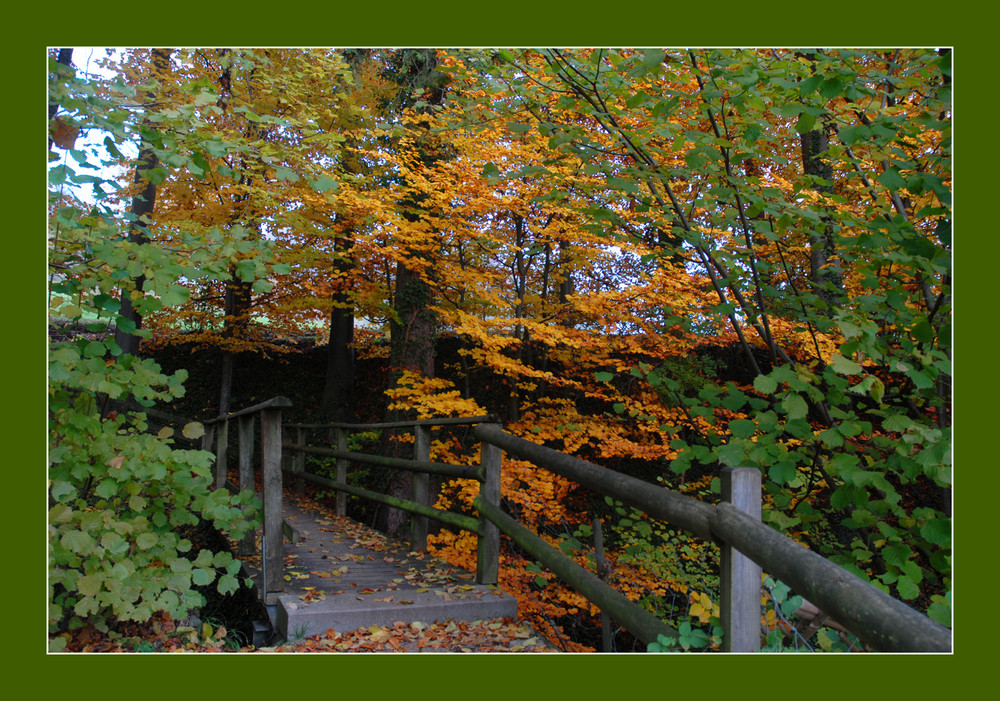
<point x="338" y="392"/>
<point x="412" y="341"/>
<point x="143" y="204"/>
<point x="238" y="300"/>
<point x="65" y="57"/>
<point x="412" y="333"/>
<point x="824" y="264"/>
<point x="239" y="294"/>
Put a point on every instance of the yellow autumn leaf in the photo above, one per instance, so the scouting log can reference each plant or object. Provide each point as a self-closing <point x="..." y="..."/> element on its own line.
<point x="193" y="430"/>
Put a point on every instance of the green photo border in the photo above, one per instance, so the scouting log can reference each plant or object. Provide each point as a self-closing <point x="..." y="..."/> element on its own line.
<point x="464" y="24"/>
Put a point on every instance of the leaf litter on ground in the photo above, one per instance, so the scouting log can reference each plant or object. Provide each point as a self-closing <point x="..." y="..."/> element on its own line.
<point x="491" y="635"/>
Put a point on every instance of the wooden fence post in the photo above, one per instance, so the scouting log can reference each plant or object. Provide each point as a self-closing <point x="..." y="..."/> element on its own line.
<point x="421" y="488"/>
<point x="341" y="502"/>
<point x="740" y="605"/>
<point x="221" y="459"/>
<point x="208" y="439"/>
<point x="299" y="466"/>
<point x="244" y="429"/>
<point x="488" y="543"/>
<point x="603" y="571"/>
<point x="274" y="547"/>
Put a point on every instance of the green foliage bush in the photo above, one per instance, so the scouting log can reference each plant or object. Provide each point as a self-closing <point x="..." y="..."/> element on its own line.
<point x="118" y="496"/>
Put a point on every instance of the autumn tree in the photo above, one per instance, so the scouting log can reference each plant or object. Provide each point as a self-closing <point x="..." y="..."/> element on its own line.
<point x="264" y="176"/>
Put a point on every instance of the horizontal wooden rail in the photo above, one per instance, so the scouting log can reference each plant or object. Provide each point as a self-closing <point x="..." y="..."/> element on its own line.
<point x="274" y="403"/>
<point x="444" y="421"/>
<point x="432" y="468"/>
<point x="450" y="517"/>
<point x="683" y="511"/>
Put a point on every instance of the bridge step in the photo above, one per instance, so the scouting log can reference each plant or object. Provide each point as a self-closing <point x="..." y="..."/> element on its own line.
<point x="342" y="575"/>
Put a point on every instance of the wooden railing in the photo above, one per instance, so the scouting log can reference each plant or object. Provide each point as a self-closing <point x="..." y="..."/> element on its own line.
<point x="216" y="439"/>
<point x="879" y="620"/>
<point x="747" y="546"/>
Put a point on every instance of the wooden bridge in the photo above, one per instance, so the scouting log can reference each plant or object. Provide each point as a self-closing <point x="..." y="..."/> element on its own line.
<point x="339" y="574"/>
<point x="382" y="581"/>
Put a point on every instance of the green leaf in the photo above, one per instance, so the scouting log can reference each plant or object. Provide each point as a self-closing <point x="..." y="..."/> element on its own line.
<point x="62" y="491"/>
<point x="282" y="173"/>
<point x="877" y="390"/>
<point x="604" y="376"/>
<point x="90" y="585"/>
<point x="782" y="473"/>
<point x="849" y="329"/>
<point x="843" y="366"/>
<point x="174" y="296"/>
<point x="323" y="184"/>
<point x="790" y="605"/>
<point x="114" y="542"/>
<point x="831" y="87"/>
<point x="898" y="423"/>
<point x="907" y="588"/>
<point x="125" y="325"/>
<point x="937" y="532"/>
<point x="892" y="179"/>
<point x="765" y="384"/>
<point x="795" y="406"/>
<point x="107" y="488"/>
<point x="742" y="428"/>
<point x="843" y="464"/>
<point x="636" y="100"/>
<point x="652" y="58"/>
<point x="216" y="147"/>
<point x="831" y="438"/>
<point x="810" y="85"/>
<point x="227" y="584"/>
<point x="202" y="576"/>
<point x="77" y="541"/>
<point x="60" y="513"/>
<point x="923" y="331"/>
<point x="95" y="349"/>
<point x="204" y="558"/>
<point x="852" y="135"/>
<point x="222" y="558"/>
<point x="940" y="609"/>
<point x="806" y="123"/>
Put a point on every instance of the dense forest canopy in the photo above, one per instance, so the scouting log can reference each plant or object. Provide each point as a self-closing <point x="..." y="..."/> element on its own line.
<point x="664" y="261"/>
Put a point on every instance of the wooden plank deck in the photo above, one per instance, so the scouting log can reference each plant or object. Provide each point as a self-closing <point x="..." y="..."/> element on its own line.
<point x="341" y="575"/>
